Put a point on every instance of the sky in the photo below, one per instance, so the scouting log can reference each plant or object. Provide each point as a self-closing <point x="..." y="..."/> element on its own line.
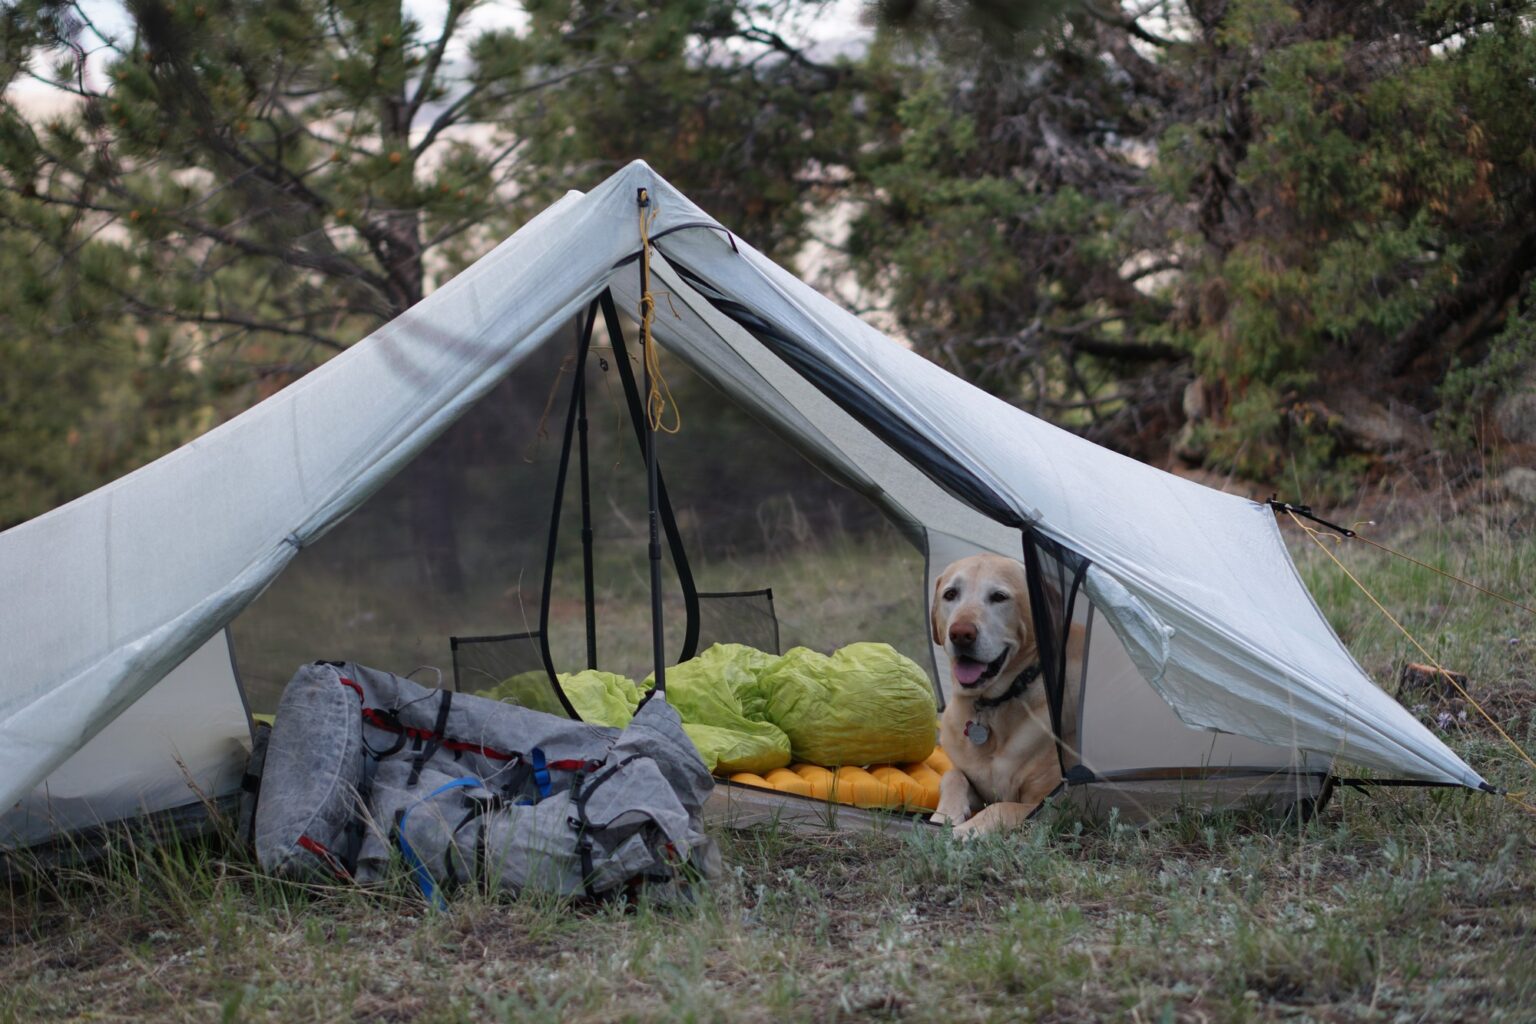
<point x="834" y="28"/>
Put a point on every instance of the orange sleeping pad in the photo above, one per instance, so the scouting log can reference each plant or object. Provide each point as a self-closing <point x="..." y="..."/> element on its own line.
<point x="903" y="787"/>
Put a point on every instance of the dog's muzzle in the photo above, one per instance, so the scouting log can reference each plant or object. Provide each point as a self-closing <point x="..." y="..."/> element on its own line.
<point x="970" y="673"/>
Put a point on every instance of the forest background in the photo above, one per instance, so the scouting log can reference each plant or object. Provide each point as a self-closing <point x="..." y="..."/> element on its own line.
<point x="1290" y="241"/>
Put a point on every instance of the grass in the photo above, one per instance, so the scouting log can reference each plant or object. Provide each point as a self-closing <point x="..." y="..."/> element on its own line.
<point x="1400" y="905"/>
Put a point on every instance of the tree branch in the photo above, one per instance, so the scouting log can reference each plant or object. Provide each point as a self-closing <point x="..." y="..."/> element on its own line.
<point x="449" y="117"/>
<point x="226" y="320"/>
<point x="434" y="59"/>
<point x="1131" y="25"/>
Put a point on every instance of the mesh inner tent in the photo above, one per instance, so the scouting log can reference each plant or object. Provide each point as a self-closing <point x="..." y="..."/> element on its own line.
<point x="739" y="617"/>
<point x="1055" y="588"/>
<point x="458" y="543"/>
<point x="1121" y="745"/>
<point x="454" y="544"/>
<point x="512" y="665"/>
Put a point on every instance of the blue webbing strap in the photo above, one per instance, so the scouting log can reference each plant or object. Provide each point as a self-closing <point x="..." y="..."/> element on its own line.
<point x="540" y="772"/>
<point x="418" y="869"/>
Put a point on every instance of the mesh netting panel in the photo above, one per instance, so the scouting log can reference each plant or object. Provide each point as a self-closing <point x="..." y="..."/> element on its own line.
<point x="756" y="514"/>
<point x="509" y="667"/>
<point x="1118" y="736"/>
<point x="1150" y="800"/>
<point x="739" y="617"/>
<point x="454" y="544"/>
<point x="458" y="544"/>
<point x="1055" y="582"/>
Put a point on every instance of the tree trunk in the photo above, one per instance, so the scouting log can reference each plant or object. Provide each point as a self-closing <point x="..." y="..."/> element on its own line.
<point x="435" y="501"/>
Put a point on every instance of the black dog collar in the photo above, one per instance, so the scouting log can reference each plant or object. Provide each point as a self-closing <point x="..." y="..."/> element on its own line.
<point x="1020" y="684"/>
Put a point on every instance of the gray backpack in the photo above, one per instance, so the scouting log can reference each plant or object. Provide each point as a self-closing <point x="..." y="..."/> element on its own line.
<point x="361" y="764"/>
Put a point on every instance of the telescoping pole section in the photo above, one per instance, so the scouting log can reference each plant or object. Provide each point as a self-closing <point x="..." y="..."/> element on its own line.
<point x="658" y="634"/>
<point x="589" y="589"/>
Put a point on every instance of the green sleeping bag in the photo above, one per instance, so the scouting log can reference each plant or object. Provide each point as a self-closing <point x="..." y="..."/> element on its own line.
<point x="749" y="711"/>
<point x="602" y="698"/>
<point x="704" y="691"/>
<point x="867" y="703"/>
<point x="740" y="667"/>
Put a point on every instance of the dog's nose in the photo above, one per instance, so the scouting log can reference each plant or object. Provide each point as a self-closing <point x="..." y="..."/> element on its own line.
<point x="962" y="634"/>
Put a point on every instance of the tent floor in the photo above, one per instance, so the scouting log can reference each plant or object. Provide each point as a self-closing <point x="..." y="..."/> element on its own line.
<point x="735" y="805"/>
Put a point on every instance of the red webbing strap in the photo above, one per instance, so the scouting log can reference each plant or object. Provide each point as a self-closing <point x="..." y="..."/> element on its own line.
<point x="318" y="849"/>
<point x="381" y="720"/>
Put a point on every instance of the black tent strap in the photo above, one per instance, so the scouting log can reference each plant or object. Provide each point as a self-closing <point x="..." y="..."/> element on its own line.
<point x="668" y="519"/>
<point x="554" y="515"/>
<point x="1050" y="636"/>
<point x="1363" y="784"/>
<point x="1082" y="775"/>
<point x="1305" y="512"/>
<point x="903" y="437"/>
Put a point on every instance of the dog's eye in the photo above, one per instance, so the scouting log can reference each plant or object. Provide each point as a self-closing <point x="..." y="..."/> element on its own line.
<point x="951" y="594"/>
<point x="999" y="596"/>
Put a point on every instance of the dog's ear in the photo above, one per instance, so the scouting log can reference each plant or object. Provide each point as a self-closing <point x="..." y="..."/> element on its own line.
<point x="935" y="616"/>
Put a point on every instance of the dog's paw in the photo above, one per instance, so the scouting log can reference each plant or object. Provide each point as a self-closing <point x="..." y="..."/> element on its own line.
<point x="1001" y="817"/>
<point x="968" y="830"/>
<point x="950" y="816"/>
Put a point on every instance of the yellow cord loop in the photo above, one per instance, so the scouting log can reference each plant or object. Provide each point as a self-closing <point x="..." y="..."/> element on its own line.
<point x="1427" y="656"/>
<point x="660" y="395"/>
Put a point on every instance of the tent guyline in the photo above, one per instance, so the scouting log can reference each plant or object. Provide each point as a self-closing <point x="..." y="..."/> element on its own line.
<point x="1447" y="676"/>
<point x="658" y="393"/>
<point x="1305" y="512"/>
<point x="1448" y="575"/>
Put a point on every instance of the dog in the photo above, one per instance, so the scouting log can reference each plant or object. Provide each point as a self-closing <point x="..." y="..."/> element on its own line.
<point x="996" y="726"/>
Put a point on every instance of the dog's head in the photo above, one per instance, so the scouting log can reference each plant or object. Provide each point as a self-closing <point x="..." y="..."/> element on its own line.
<point x="981" y="618"/>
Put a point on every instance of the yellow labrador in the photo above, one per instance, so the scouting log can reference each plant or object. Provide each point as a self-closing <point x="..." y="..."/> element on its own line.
<point x="996" y="726"/>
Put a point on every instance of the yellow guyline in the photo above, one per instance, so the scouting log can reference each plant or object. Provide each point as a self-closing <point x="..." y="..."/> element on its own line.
<point x="1447" y="676"/>
<point x="1448" y="575"/>
<point x="660" y="395"/>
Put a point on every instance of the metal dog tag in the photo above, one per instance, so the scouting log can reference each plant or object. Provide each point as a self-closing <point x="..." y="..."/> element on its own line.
<point x="977" y="733"/>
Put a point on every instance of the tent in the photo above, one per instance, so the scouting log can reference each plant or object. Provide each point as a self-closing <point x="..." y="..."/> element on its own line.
<point x="1210" y="668"/>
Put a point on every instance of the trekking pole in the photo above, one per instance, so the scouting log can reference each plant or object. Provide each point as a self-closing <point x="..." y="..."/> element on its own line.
<point x="647" y="308"/>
